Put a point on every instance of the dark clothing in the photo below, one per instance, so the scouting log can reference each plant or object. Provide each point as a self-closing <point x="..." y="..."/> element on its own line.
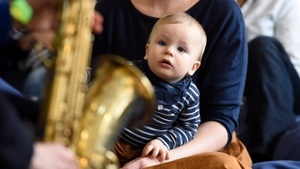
<point x="10" y="52"/>
<point x="5" y="22"/>
<point x="272" y="91"/>
<point x="176" y="117"/>
<point x="287" y="147"/>
<point x="21" y="69"/>
<point x="16" y="145"/>
<point x="10" y="57"/>
<point x="221" y="76"/>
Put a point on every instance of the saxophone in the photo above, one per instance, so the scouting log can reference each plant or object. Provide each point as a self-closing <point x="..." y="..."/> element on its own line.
<point x="87" y="119"/>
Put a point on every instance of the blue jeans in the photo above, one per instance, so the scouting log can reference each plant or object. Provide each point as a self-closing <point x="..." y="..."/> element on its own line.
<point x="277" y="165"/>
<point x="272" y="89"/>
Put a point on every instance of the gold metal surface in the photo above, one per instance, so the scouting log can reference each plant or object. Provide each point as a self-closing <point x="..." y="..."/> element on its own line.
<point x="119" y="96"/>
<point x="88" y="120"/>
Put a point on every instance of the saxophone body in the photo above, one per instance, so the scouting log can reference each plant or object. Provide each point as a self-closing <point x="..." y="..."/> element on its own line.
<point x="87" y="119"/>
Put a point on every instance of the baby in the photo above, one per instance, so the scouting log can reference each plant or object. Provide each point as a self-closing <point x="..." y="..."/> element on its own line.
<point x="173" y="53"/>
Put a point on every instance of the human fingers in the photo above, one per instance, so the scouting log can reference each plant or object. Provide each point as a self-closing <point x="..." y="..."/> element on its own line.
<point x="163" y="155"/>
<point x="49" y="155"/>
<point x="141" y="162"/>
<point x="155" y="152"/>
<point x="45" y="37"/>
<point x="147" y="149"/>
<point x="97" y="26"/>
<point x="67" y="156"/>
<point x="167" y="157"/>
<point x="62" y="157"/>
<point x="134" y="164"/>
<point x="147" y="162"/>
<point x="44" y="15"/>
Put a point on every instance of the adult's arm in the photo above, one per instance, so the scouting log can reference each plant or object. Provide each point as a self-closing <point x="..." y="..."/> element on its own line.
<point x="222" y="74"/>
<point x="16" y="147"/>
<point x="205" y="140"/>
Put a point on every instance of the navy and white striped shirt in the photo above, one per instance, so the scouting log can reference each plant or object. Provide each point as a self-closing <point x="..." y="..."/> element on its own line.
<point x="176" y="117"/>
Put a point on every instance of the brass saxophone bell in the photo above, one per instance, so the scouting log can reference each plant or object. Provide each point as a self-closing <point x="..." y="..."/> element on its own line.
<point x="120" y="95"/>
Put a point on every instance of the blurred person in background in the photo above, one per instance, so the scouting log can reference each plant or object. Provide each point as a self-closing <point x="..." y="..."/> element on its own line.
<point x="273" y="84"/>
<point x="18" y="150"/>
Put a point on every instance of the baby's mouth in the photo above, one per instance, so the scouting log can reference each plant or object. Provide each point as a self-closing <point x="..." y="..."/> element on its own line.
<point x="166" y="62"/>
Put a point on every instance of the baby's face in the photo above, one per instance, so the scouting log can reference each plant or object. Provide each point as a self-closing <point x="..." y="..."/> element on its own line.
<point x="173" y="51"/>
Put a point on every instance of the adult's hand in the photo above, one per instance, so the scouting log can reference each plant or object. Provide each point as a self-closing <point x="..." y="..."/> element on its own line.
<point x="45" y="16"/>
<point x="47" y="35"/>
<point x="44" y="23"/>
<point x="97" y="25"/>
<point x="53" y="156"/>
<point x="141" y="162"/>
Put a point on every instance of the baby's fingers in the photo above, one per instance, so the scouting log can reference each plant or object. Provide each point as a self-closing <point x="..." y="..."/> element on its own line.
<point x="155" y="153"/>
<point x="147" y="150"/>
<point x="163" y="155"/>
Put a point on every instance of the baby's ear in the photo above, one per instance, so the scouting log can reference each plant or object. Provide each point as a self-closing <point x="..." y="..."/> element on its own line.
<point x="194" y="67"/>
<point x="147" y="50"/>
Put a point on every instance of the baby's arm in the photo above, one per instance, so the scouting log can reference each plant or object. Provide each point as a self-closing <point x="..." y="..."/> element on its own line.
<point x="156" y="149"/>
<point x="187" y="122"/>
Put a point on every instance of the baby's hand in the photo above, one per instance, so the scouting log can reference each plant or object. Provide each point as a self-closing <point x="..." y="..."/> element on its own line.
<point x="156" y="149"/>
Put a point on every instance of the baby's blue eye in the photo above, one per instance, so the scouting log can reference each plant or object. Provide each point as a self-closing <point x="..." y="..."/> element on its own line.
<point x="181" y="49"/>
<point x="162" y="43"/>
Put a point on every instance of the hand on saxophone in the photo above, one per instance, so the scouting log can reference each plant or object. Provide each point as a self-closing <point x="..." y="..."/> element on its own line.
<point x="53" y="156"/>
<point x="45" y="16"/>
<point x="43" y="24"/>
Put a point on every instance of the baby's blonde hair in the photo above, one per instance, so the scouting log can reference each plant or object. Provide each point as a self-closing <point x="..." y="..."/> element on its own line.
<point x="182" y="18"/>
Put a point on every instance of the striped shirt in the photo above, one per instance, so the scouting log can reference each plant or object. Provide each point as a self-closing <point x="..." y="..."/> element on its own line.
<point x="176" y="117"/>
